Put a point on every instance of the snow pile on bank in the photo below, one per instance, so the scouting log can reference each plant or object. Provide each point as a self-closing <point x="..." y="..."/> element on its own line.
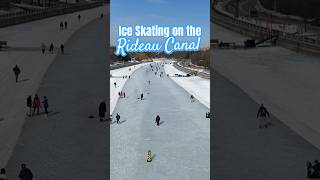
<point x="197" y="86"/>
<point x="116" y="76"/>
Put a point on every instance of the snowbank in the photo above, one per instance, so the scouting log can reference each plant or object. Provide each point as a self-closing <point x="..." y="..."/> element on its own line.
<point x="117" y="77"/>
<point x="197" y="86"/>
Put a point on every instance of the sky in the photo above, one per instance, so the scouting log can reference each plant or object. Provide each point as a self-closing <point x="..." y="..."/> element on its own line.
<point x="161" y="12"/>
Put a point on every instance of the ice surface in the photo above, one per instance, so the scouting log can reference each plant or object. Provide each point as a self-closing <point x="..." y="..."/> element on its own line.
<point x="25" y="42"/>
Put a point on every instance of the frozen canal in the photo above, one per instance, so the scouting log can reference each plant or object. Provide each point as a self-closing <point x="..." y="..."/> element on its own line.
<point x="180" y="145"/>
<point x="287" y="83"/>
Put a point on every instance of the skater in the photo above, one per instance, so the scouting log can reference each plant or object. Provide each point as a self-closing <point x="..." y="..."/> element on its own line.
<point x="102" y="110"/>
<point x="25" y="173"/>
<point x="141" y="96"/>
<point x="124" y="94"/>
<point x="262" y="115"/>
<point x="309" y="169"/>
<point x="192" y="98"/>
<point x="45" y="105"/>
<point x="61" y="25"/>
<point x="65" y="25"/>
<point x="3" y="175"/>
<point x="79" y="17"/>
<point x="149" y="81"/>
<point x="36" y="104"/>
<point x="43" y="48"/>
<point x="62" y="48"/>
<point x="158" y="120"/>
<point x="115" y="84"/>
<point x="29" y="105"/>
<point x="17" y="72"/>
<point x="51" y="48"/>
<point x="129" y="77"/>
<point x="118" y="118"/>
<point x="119" y="94"/>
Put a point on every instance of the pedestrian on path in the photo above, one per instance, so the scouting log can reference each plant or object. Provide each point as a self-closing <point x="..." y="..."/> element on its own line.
<point x="158" y="120"/>
<point x="62" y="48"/>
<point x="61" y="25"/>
<point x="51" y="48"/>
<point x="124" y="95"/>
<point x="29" y="105"/>
<point x="102" y="110"/>
<point x="36" y="104"/>
<point x="118" y="118"/>
<point x="115" y="84"/>
<point x="17" y="72"/>
<point x="65" y="25"/>
<point x="101" y="15"/>
<point x="79" y="17"/>
<point x="45" y="105"/>
<point x="141" y="96"/>
<point x="25" y="173"/>
<point x="43" y="48"/>
<point x="262" y="116"/>
<point x="3" y="175"/>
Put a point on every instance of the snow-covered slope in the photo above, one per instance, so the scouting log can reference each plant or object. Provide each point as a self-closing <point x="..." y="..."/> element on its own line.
<point x="197" y="86"/>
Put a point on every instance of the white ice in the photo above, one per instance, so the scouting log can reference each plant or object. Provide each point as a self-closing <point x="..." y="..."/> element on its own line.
<point x="25" y="41"/>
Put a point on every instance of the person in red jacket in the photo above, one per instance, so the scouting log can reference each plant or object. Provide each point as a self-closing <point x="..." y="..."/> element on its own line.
<point x="36" y="104"/>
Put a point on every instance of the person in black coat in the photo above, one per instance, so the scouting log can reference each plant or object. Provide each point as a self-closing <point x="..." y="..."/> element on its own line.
<point x="65" y="25"/>
<point x="45" y="104"/>
<point x="118" y="118"/>
<point x="62" y="48"/>
<point x="102" y="110"/>
<point x="158" y="120"/>
<point x="141" y="96"/>
<point x="17" y="72"/>
<point x="25" y="173"/>
<point x="262" y="115"/>
<point x="29" y="104"/>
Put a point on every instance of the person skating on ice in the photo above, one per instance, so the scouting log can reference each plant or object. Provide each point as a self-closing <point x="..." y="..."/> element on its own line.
<point x="158" y="120"/>
<point x="262" y="116"/>
<point x="29" y="105"/>
<point x="118" y="118"/>
<point x="45" y="105"/>
<point x="16" y="71"/>
<point x="102" y="110"/>
<point x="25" y="173"/>
<point x="36" y="104"/>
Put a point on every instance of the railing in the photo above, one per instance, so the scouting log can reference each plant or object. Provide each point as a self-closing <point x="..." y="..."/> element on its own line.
<point x="253" y="30"/>
<point x="26" y="16"/>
